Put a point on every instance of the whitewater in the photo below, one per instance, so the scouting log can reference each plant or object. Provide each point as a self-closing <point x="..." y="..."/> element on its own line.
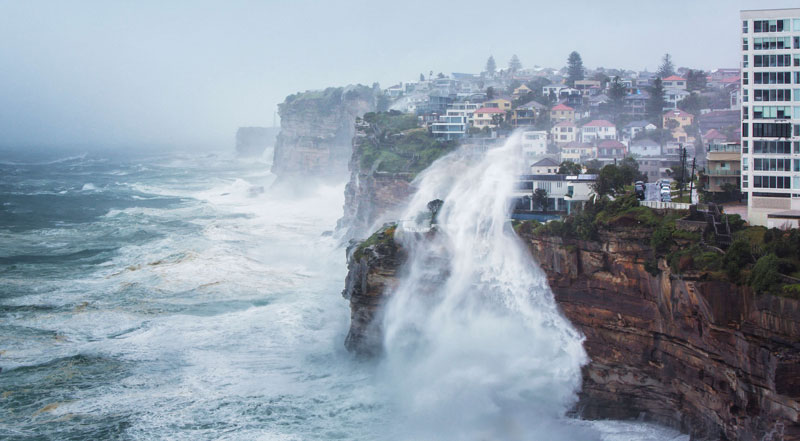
<point x="181" y="296"/>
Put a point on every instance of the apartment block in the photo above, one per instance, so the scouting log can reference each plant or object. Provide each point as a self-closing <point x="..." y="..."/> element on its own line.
<point x="770" y="158"/>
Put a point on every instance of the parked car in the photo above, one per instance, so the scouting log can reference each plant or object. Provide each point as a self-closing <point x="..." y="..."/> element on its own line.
<point x="666" y="194"/>
<point x="639" y="189"/>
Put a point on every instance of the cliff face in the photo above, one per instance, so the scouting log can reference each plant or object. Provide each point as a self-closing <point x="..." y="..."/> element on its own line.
<point x="708" y="357"/>
<point x="369" y="194"/>
<point x="317" y="129"/>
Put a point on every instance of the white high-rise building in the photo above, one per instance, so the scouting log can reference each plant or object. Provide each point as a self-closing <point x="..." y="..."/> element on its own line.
<point x="771" y="116"/>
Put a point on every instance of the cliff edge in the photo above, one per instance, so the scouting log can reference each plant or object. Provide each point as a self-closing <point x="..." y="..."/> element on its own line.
<point x="680" y="346"/>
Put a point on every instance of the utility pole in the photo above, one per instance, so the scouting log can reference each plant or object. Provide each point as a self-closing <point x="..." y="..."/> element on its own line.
<point x="691" y="182"/>
<point x="683" y="172"/>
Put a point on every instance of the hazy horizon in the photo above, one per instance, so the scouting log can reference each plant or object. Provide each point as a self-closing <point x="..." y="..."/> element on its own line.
<point x="190" y="73"/>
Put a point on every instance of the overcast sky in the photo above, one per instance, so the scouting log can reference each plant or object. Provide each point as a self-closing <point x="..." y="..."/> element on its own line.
<point x="188" y="73"/>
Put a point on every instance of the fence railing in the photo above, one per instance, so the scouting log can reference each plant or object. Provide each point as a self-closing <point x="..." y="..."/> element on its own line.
<point x="666" y="205"/>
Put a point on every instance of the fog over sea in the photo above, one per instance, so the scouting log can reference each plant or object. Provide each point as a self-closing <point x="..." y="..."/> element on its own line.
<point x="177" y="296"/>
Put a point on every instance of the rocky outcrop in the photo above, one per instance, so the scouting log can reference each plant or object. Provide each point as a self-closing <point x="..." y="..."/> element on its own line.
<point x="371" y="272"/>
<point x="370" y="195"/>
<point x="317" y="129"/>
<point x="708" y="357"/>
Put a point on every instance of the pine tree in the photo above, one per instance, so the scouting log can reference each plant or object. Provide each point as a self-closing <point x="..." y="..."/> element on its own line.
<point x="491" y="66"/>
<point x="574" y="68"/>
<point x="667" y="68"/>
<point x="655" y="105"/>
<point x="422" y="77"/>
<point x="514" y="64"/>
<point x="616" y="93"/>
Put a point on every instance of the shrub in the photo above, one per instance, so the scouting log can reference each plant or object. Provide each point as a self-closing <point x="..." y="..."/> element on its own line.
<point x="662" y="238"/>
<point x="764" y="277"/>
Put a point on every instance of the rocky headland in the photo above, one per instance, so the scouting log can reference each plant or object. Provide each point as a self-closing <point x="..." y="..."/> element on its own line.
<point x="671" y="338"/>
<point x="317" y="129"/>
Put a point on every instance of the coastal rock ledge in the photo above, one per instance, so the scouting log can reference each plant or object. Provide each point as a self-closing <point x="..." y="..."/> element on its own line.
<point x="708" y="357"/>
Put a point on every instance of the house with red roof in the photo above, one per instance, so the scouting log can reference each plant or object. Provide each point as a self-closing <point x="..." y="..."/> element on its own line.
<point x="487" y="117"/>
<point x="713" y="136"/>
<point x="598" y="129"/>
<point x="564" y="132"/>
<point x="562" y="112"/>
<point x="610" y="149"/>
<point x="674" y="82"/>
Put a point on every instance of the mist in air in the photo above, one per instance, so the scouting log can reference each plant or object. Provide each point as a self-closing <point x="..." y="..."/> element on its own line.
<point x="187" y="74"/>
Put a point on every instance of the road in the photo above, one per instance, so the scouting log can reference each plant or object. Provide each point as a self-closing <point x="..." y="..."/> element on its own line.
<point x="652" y="192"/>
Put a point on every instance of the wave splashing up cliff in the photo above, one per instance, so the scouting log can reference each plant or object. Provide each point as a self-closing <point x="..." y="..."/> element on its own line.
<point x="475" y="344"/>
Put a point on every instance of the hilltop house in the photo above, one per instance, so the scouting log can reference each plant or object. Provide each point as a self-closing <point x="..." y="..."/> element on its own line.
<point x="562" y="112"/>
<point x="526" y="114"/>
<point x="645" y="147"/>
<point x="634" y="128"/>
<point x="545" y="166"/>
<point x="609" y="150"/>
<point x="598" y="129"/>
<point x="674" y="82"/>
<point x="498" y="103"/>
<point x="520" y="92"/>
<point x="487" y="117"/>
<point x="578" y="152"/>
<point x="565" y="132"/>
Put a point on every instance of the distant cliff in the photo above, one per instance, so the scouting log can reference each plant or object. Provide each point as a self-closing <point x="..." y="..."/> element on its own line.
<point x="389" y="150"/>
<point x="317" y="131"/>
<point x="252" y="141"/>
<point x="689" y="350"/>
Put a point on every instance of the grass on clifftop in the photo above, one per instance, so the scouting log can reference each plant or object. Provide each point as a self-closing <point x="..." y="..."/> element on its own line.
<point x="384" y="236"/>
<point x="764" y="259"/>
<point x="398" y="145"/>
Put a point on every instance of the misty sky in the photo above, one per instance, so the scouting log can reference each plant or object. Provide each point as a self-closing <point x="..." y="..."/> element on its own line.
<point x="188" y="73"/>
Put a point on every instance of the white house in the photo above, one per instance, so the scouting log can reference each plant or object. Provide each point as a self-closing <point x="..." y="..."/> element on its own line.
<point x="565" y="132"/>
<point x="534" y="145"/>
<point x="544" y="166"/>
<point x="645" y="147"/>
<point x="598" y="129"/>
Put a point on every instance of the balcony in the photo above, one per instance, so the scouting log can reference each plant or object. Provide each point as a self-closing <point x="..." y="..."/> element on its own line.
<point x="720" y="172"/>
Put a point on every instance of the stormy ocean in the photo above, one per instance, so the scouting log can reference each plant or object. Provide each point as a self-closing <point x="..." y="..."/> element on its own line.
<point x="180" y="297"/>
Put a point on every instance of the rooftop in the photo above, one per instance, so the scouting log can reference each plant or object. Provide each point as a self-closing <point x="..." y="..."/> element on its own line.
<point x="599" y="123"/>
<point x="562" y="107"/>
<point x="674" y="78"/>
<point x="546" y="162"/>
<point x="490" y="110"/>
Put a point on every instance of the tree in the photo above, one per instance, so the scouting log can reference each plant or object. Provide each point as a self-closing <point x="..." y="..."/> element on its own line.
<point x="491" y="66"/>
<point x="434" y="206"/>
<point x="656" y="103"/>
<point x="540" y="198"/>
<point x="514" y="64"/>
<point x="609" y="181"/>
<point x="617" y="93"/>
<point x="569" y="168"/>
<point x="490" y="93"/>
<point x="692" y="103"/>
<point x="422" y="77"/>
<point x="629" y="170"/>
<point x="575" y="70"/>
<point x="667" y="68"/>
<point x="513" y="85"/>
<point x="593" y="167"/>
<point x="695" y="80"/>
<point x="441" y="75"/>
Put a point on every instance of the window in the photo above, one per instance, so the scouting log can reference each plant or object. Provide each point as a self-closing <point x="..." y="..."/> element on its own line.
<point x="745" y="113"/>
<point x="772" y="147"/>
<point x="771" y="60"/>
<point x="745" y="148"/>
<point x="745" y="95"/>
<point x="770" y="25"/>
<point x="771" y="182"/>
<point x="744" y="44"/>
<point x="772" y="78"/>
<point x="796" y="62"/>
<point x="797" y="94"/>
<point x="744" y="61"/>
<point x="745" y="78"/>
<point x="795" y="26"/>
<point x="771" y="94"/>
<point x="772" y="164"/>
<point x="744" y="26"/>
<point x="772" y="112"/>
<point x="772" y="130"/>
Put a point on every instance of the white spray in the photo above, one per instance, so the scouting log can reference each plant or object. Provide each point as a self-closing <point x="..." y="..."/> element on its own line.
<point x="475" y="345"/>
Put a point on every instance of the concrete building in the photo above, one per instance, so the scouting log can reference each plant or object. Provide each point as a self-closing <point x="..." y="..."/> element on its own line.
<point x="723" y="165"/>
<point x="770" y="119"/>
<point x="644" y="148"/>
<point x="562" y="112"/>
<point x="534" y="145"/>
<point x="565" y="132"/>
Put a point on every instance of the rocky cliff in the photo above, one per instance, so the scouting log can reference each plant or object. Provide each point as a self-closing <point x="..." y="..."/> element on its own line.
<point x="389" y="150"/>
<point x="709" y="357"/>
<point x="317" y="129"/>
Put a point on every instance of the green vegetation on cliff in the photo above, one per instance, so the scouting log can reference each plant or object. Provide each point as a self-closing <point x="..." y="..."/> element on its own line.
<point x="766" y="260"/>
<point x="383" y="236"/>
<point x="397" y="144"/>
<point x="325" y="100"/>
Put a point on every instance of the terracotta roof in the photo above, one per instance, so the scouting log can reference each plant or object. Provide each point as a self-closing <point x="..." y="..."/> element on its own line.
<point x="599" y="123"/>
<point x="565" y="124"/>
<point x="490" y="110"/>
<point x="714" y="134"/>
<point x="677" y="113"/>
<point x="611" y="143"/>
<point x="562" y="107"/>
<point x="674" y="78"/>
